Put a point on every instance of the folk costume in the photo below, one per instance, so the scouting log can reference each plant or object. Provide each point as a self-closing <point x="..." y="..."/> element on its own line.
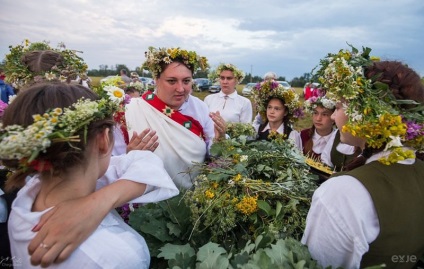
<point x="319" y="142"/>
<point x="113" y="244"/>
<point x="183" y="141"/>
<point x="294" y="136"/>
<point x="265" y="91"/>
<point x="372" y="214"/>
<point x="337" y="154"/>
<point x="358" y="235"/>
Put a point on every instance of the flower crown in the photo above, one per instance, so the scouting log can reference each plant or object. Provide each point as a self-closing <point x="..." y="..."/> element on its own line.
<point x="267" y="89"/>
<point x="56" y="125"/>
<point x="314" y="102"/>
<point x="137" y="86"/>
<point x="19" y="75"/>
<point x="155" y="57"/>
<point x="374" y="113"/>
<point x="238" y="74"/>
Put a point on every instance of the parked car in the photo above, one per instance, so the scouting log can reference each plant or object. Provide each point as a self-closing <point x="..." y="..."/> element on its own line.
<point x="215" y="88"/>
<point x="285" y="84"/>
<point x="247" y="90"/>
<point x="147" y="81"/>
<point x="202" y="84"/>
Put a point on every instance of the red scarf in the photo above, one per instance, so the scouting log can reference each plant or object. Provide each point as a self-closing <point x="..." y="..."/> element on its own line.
<point x="186" y="121"/>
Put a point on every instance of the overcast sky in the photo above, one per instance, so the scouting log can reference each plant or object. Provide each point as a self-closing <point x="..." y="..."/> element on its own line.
<point x="285" y="36"/>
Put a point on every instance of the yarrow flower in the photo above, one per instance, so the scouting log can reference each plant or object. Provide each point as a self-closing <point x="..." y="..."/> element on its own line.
<point x="265" y="90"/>
<point x="374" y="113"/>
<point x="238" y="129"/>
<point x="156" y="56"/>
<point x="138" y="86"/>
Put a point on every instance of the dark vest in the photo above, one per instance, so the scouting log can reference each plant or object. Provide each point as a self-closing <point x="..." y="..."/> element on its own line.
<point x="398" y="194"/>
<point x="264" y="135"/>
<point x="339" y="159"/>
<point x="306" y="136"/>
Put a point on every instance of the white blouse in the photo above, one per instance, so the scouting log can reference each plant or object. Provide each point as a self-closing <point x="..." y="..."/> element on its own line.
<point x="342" y="221"/>
<point x="113" y="244"/>
<point x="294" y="135"/>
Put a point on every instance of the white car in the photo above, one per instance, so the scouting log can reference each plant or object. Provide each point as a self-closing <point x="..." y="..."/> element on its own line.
<point x="285" y="84"/>
<point x="247" y="90"/>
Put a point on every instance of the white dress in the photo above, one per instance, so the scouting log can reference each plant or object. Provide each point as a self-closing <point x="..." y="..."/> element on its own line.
<point x="113" y="244"/>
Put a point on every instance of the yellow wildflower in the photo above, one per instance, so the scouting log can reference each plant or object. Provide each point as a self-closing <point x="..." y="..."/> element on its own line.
<point x="209" y="194"/>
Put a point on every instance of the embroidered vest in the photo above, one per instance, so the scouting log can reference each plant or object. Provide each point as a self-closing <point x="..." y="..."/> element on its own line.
<point x="306" y="136"/>
<point x="398" y="194"/>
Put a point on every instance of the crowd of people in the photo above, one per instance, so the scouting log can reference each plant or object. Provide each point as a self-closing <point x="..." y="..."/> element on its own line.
<point x="116" y="144"/>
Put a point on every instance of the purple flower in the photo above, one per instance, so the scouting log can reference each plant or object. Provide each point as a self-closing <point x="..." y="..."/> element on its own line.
<point x="127" y="99"/>
<point x="313" y="99"/>
<point x="298" y="113"/>
<point x="274" y="84"/>
<point x="413" y="130"/>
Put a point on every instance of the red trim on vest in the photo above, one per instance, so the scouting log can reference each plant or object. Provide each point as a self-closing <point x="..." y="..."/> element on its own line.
<point x="188" y="122"/>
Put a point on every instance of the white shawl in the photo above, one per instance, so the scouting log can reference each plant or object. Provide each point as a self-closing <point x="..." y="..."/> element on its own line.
<point x="179" y="148"/>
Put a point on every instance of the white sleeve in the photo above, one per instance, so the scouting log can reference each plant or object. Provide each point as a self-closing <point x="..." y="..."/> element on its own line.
<point x="246" y="113"/>
<point x="120" y="147"/>
<point x="297" y="140"/>
<point x="341" y="223"/>
<point x="257" y="122"/>
<point x="143" y="167"/>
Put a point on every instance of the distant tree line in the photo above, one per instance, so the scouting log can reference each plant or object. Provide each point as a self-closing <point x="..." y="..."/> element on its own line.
<point x="105" y="70"/>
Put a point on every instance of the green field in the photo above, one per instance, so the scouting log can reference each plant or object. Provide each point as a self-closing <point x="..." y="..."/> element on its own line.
<point x="301" y="124"/>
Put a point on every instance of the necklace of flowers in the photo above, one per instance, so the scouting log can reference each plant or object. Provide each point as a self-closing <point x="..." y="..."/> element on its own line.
<point x="56" y="125"/>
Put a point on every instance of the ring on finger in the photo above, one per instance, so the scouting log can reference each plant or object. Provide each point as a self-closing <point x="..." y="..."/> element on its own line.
<point x="45" y="246"/>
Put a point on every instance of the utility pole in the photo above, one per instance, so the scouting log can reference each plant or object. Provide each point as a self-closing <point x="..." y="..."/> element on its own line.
<point x="251" y="74"/>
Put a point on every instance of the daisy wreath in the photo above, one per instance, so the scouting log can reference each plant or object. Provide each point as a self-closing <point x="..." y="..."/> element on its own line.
<point x="56" y="125"/>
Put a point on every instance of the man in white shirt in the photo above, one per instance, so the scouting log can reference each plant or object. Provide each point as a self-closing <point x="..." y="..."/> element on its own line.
<point x="231" y="106"/>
